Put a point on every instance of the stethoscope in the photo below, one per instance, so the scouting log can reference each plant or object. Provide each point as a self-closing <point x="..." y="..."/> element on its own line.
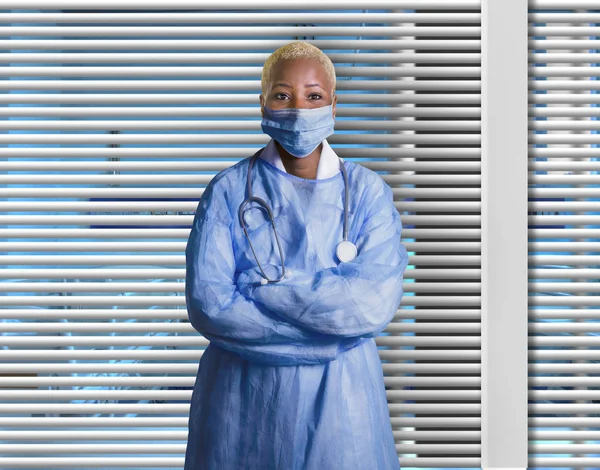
<point x="345" y="251"/>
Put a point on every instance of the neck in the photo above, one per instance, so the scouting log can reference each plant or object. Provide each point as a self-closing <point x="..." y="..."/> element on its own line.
<point x="302" y="167"/>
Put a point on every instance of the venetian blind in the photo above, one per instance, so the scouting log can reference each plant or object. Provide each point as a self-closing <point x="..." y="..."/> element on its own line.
<point x="118" y="113"/>
<point x="563" y="234"/>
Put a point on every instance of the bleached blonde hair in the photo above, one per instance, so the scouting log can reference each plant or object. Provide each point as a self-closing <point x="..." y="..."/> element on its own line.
<point x="297" y="50"/>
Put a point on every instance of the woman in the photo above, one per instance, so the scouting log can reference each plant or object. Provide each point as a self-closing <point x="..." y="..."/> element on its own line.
<point x="292" y="379"/>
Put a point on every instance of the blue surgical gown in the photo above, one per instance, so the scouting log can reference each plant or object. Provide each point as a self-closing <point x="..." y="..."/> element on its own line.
<point x="292" y="379"/>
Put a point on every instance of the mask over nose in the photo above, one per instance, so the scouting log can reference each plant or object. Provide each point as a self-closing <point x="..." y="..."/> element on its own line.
<point x="298" y="130"/>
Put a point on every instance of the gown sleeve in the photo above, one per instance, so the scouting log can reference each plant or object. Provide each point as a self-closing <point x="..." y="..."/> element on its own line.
<point x="216" y="308"/>
<point x="353" y="299"/>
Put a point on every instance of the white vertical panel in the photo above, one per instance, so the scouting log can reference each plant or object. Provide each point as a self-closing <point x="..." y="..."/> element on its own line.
<point x="504" y="235"/>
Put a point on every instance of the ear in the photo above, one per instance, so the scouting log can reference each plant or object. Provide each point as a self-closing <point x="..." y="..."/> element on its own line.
<point x="262" y="104"/>
<point x="333" y="103"/>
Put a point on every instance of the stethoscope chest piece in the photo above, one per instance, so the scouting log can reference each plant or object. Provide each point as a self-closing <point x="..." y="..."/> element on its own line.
<point x="346" y="251"/>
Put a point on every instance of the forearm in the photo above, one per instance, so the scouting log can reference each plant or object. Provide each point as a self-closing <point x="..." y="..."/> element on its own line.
<point x="347" y="300"/>
<point x="221" y="310"/>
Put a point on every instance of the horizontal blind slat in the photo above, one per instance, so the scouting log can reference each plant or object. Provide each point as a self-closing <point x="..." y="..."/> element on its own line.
<point x="256" y="5"/>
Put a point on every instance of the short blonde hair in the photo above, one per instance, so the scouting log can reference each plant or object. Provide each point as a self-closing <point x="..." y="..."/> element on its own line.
<point x="297" y="50"/>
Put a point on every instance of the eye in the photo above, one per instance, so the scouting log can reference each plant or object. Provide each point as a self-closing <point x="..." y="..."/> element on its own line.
<point x="315" y="94"/>
<point x="277" y="95"/>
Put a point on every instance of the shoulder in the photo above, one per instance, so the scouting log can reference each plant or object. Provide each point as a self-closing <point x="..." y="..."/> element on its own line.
<point x="217" y="200"/>
<point x="374" y="197"/>
<point x="230" y="177"/>
<point x="370" y="184"/>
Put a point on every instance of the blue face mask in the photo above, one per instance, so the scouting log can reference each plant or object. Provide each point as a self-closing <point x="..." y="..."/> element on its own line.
<point x="298" y="130"/>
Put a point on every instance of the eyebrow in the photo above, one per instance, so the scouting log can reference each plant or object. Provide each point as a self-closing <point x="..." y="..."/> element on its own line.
<point x="305" y="86"/>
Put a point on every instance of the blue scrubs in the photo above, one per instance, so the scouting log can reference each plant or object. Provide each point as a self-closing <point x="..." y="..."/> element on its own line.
<point x="292" y="379"/>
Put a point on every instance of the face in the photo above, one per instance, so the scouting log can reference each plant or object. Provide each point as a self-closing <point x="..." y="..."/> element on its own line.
<point x="300" y="83"/>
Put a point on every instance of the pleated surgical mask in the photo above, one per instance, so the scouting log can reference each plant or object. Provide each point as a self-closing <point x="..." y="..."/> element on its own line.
<point x="299" y="130"/>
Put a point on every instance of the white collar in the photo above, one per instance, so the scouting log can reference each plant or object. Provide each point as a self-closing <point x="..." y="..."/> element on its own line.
<point x="328" y="163"/>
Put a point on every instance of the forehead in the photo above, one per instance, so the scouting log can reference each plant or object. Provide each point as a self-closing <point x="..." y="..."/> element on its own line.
<point x="299" y="71"/>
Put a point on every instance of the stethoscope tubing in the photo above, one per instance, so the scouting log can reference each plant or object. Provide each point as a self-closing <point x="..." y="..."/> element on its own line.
<point x="250" y="197"/>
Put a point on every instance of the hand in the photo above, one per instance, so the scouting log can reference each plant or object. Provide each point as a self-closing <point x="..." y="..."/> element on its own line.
<point x="248" y="279"/>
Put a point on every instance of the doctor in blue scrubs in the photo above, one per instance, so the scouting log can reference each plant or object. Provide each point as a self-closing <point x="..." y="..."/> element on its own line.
<point x="294" y="265"/>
